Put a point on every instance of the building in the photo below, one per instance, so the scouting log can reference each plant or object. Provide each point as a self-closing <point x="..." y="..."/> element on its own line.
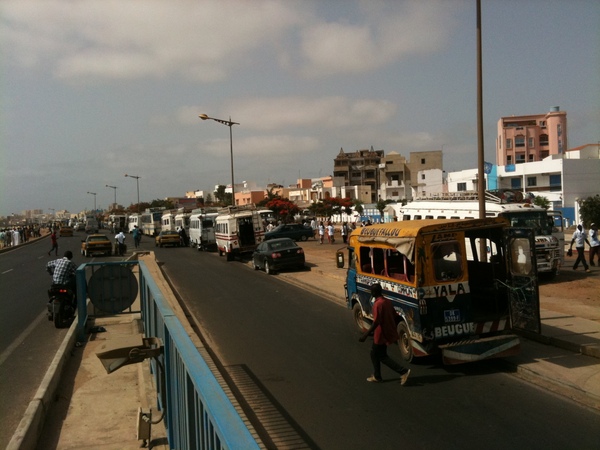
<point x="391" y="176"/>
<point x="532" y="138"/>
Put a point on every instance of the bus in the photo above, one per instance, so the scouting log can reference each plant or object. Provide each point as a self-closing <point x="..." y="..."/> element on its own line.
<point x="132" y="222"/>
<point x="459" y="287"/>
<point x="239" y="230"/>
<point x="547" y="225"/>
<point x="117" y="222"/>
<point x="182" y="220"/>
<point x="202" y="229"/>
<point x="150" y="220"/>
<point x="167" y="222"/>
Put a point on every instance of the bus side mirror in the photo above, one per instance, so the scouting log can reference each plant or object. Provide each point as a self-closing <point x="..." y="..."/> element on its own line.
<point x="339" y="256"/>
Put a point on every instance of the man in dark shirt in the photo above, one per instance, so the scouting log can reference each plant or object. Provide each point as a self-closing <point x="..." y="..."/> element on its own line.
<point x="384" y="333"/>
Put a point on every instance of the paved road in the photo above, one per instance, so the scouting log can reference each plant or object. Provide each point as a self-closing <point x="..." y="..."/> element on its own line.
<point x="303" y="350"/>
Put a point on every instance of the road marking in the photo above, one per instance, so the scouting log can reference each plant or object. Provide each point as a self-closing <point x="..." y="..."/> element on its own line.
<point x="6" y="271"/>
<point x="19" y="340"/>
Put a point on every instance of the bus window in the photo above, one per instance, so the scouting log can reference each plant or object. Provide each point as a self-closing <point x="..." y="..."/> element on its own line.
<point x="378" y="261"/>
<point x="417" y="217"/>
<point x="447" y="261"/>
<point x="406" y="217"/>
<point x="365" y="260"/>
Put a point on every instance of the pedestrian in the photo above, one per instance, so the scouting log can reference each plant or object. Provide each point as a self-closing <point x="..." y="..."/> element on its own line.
<point x="183" y="240"/>
<point x="345" y="230"/>
<point x="120" y="238"/>
<point x="54" y="243"/>
<point x="330" y="233"/>
<point x="594" y="244"/>
<point x="384" y="333"/>
<point x="321" y="232"/>
<point x="579" y="239"/>
<point x="137" y="236"/>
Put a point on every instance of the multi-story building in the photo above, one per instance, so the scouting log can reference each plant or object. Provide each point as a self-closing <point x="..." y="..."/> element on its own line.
<point x="525" y="139"/>
<point x="391" y="176"/>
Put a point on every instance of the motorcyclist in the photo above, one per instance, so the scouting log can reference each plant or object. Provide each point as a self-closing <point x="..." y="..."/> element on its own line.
<point x="63" y="271"/>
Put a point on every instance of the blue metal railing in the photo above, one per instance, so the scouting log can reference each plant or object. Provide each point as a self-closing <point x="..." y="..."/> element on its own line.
<point x="198" y="413"/>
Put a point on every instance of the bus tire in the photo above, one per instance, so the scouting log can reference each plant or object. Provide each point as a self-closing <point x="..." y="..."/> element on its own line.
<point x="405" y="342"/>
<point x="360" y="322"/>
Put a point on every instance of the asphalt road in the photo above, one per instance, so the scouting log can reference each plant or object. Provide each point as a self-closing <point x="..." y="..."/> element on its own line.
<point x="304" y="352"/>
<point x="28" y="341"/>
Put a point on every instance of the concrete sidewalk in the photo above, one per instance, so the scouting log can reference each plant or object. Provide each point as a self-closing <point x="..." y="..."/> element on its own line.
<point x="91" y="409"/>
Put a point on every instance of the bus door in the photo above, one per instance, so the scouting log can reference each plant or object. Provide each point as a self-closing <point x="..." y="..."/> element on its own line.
<point x="524" y="301"/>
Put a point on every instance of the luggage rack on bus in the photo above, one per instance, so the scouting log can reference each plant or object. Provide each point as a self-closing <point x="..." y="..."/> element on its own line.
<point x="232" y="209"/>
<point x="494" y="196"/>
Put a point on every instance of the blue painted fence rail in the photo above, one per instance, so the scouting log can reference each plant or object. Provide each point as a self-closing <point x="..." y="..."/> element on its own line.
<point x="198" y="414"/>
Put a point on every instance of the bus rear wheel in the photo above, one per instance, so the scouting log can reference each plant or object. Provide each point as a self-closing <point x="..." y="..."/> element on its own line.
<point x="405" y="342"/>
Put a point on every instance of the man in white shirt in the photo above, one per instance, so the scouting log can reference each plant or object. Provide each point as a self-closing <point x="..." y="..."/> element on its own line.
<point x="594" y="244"/>
<point x="579" y="239"/>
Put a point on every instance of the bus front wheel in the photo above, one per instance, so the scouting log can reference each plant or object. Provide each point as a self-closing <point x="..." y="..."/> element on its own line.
<point x="405" y="342"/>
<point x="362" y="325"/>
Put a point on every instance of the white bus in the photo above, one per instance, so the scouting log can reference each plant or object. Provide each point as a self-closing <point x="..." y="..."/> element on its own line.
<point x="182" y="220"/>
<point x="132" y="222"/>
<point x="549" y="236"/>
<point x="167" y="221"/>
<point x="150" y="220"/>
<point x="239" y="230"/>
<point x="202" y="229"/>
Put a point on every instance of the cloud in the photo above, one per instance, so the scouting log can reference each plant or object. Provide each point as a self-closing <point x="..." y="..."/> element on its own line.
<point x="273" y="113"/>
<point x="115" y="39"/>
<point x="260" y="146"/>
<point x="389" y="32"/>
<point x="207" y="41"/>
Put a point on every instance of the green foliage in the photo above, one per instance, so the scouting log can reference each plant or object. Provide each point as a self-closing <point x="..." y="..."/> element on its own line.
<point x="589" y="209"/>
<point x="541" y="201"/>
<point x="358" y="207"/>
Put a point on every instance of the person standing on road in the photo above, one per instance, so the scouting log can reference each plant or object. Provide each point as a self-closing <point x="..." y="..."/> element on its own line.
<point x="345" y="230"/>
<point x="321" y="232"/>
<point x="579" y="239"/>
<point x="137" y="236"/>
<point x="384" y="333"/>
<point x="330" y="233"/>
<point x="594" y="244"/>
<point x="120" y="238"/>
<point x="54" y="243"/>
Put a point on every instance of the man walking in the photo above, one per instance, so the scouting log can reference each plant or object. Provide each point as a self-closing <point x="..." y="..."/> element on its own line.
<point x="385" y="333"/>
<point x="579" y="239"/>
<point x="120" y="238"/>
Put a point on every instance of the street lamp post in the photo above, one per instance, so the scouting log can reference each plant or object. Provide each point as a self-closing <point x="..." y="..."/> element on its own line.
<point x="137" y="182"/>
<point x="115" y="189"/>
<point x="230" y="124"/>
<point x="94" y="194"/>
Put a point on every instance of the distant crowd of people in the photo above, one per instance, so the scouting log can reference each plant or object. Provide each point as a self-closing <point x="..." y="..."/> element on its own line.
<point x="10" y="237"/>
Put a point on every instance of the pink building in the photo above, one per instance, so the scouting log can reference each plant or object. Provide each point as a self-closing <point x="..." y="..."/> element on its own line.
<point x="531" y="138"/>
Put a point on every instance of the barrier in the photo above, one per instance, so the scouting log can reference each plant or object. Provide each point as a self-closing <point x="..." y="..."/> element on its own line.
<point x="198" y="413"/>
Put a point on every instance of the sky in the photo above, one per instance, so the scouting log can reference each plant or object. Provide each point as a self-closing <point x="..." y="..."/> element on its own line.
<point x="92" y="90"/>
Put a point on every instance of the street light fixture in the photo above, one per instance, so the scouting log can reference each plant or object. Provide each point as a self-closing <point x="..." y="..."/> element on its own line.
<point x="115" y="189"/>
<point x="94" y="194"/>
<point x="230" y="124"/>
<point x="137" y="182"/>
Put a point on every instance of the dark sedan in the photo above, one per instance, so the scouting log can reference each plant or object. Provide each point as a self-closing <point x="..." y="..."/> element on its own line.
<point x="278" y="254"/>
<point x="295" y="231"/>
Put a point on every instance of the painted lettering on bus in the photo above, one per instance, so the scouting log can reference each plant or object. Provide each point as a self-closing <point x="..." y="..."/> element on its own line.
<point x="449" y="291"/>
<point x="383" y="232"/>
<point x="454" y="330"/>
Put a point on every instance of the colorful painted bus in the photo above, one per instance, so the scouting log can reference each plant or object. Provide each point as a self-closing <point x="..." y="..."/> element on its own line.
<point x="459" y="287"/>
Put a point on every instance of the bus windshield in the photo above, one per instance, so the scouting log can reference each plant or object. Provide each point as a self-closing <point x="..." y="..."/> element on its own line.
<point x="538" y="220"/>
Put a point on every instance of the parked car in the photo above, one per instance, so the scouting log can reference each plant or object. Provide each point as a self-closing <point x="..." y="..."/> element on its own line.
<point x="295" y="231"/>
<point x="66" y="231"/>
<point x="278" y="254"/>
<point x="167" y="238"/>
<point x="96" y="244"/>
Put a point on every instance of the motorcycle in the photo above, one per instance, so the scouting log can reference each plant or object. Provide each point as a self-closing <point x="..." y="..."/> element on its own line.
<point x="62" y="305"/>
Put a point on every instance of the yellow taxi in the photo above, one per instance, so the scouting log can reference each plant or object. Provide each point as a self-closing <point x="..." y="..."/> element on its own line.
<point x="96" y="244"/>
<point x="168" y="238"/>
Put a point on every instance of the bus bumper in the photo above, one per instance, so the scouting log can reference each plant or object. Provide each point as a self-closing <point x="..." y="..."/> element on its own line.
<point x="480" y="349"/>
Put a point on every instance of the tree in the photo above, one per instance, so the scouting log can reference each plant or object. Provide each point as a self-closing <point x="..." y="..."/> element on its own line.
<point x="283" y="209"/>
<point x="358" y="207"/>
<point x="541" y="201"/>
<point x="589" y="209"/>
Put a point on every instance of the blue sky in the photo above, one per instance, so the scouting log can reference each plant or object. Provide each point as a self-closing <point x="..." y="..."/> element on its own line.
<point x="91" y="90"/>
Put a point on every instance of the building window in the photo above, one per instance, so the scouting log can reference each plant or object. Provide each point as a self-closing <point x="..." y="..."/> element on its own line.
<point x="422" y="176"/>
<point x="560" y="146"/>
<point x="519" y="141"/>
<point x="531" y="156"/>
<point x="531" y="181"/>
<point x="515" y="183"/>
<point x="508" y="159"/>
<point x="531" y="142"/>
<point x="461" y="187"/>
<point x="543" y="139"/>
<point x="508" y="143"/>
<point x="555" y="182"/>
<point x="559" y="129"/>
<point x="520" y="158"/>
<point x="543" y="123"/>
<point x="422" y="160"/>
